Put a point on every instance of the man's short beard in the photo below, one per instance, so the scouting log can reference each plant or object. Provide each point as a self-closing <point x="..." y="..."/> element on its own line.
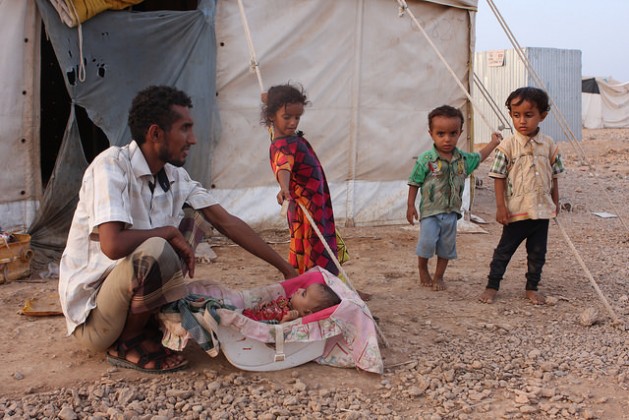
<point x="164" y="157"/>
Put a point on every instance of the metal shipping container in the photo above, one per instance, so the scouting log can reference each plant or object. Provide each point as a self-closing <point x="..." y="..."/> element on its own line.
<point x="500" y="72"/>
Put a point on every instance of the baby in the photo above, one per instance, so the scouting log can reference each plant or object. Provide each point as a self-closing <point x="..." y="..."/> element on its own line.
<point x="313" y="298"/>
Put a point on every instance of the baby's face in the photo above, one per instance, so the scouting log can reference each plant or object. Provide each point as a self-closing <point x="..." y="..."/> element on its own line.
<point x="304" y="300"/>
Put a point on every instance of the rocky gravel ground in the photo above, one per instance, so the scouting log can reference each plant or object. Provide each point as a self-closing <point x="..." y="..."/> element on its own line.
<point x="448" y="355"/>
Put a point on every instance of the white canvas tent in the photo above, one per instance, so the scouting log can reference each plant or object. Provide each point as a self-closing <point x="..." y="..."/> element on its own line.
<point x="370" y="75"/>
<point x="605" y="103"/>
<point x="20" y="183"/>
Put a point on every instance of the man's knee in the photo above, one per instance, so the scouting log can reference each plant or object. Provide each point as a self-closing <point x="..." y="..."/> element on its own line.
<point x="156" y="247"/>
<point x="95" y="339"/>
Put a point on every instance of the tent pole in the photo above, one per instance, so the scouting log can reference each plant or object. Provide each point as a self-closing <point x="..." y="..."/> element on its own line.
<point x="253" y="61"/>
<point x="353" y="126"/>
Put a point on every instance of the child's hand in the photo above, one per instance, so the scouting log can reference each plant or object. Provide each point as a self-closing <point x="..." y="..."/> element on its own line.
<point x="283" y="196"/>
<point x="496" y="137"/>
<point x="502" y="216"/>
<point x="290" y="316"/>
<point x="412" y="215"/>
<point x="264" y="97"/>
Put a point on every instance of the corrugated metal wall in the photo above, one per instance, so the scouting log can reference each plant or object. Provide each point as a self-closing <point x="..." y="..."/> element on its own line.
<point x="559" y="69"/>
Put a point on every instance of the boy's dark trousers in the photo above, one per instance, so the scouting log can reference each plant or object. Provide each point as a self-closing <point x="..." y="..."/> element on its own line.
<point x="536" y="234"/>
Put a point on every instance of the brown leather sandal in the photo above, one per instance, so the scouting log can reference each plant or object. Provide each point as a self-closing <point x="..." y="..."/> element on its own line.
<point x="123" y="348"/>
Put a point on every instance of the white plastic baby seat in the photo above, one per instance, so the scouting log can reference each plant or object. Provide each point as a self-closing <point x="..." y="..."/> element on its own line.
<point x="248" y="354"/>
<point x="342" y="336"/>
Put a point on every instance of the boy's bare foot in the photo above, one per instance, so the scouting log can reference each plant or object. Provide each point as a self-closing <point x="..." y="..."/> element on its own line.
<point x="424" y="278"/>
<point x="535" y="297"/>
<point x="488" y="296"/>
<point x="438" y="284"/>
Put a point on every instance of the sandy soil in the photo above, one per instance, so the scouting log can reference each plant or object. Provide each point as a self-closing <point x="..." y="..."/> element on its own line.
<point x="426" y="329"/>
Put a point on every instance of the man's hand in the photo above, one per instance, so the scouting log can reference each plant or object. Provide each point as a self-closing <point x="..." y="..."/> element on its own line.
<point x="185" y="251"/>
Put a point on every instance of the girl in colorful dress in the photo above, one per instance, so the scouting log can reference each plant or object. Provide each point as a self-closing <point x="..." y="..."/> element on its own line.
<point x="301" y="179"/>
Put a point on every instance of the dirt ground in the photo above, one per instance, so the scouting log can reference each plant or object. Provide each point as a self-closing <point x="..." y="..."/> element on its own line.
<point x="421" y="326"/>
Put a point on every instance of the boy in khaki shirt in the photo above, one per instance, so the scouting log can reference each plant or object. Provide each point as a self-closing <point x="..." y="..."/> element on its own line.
<point x="525" y="172"/>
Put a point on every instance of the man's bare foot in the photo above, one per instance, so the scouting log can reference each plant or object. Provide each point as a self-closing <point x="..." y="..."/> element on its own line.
<point x="535" y="297"/>
<point x="424" y="278"/>
<point x="438" y="284"/>
<point x="488" y="296"/>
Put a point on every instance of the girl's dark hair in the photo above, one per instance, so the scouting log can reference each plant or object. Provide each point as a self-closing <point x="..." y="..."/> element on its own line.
<point x="445" y="111"/>
<point x="530" y="94"/>
<point x="153" y="105"/>
<point x="280" y="95"/>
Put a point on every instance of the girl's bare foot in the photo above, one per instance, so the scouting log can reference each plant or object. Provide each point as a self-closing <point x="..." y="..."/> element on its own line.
<point x="488" y="296"/>
<point x="438" y="284"/>
<point x="535" y="297"/>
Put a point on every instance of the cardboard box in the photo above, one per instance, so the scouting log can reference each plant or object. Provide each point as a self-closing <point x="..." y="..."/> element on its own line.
<point x="15" y="257"/>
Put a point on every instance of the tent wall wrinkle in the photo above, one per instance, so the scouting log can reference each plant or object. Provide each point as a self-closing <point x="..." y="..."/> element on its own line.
<point x="371" y="78"/>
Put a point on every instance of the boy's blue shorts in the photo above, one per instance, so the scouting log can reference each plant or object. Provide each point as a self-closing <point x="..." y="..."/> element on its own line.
<point x="437" y="235"/>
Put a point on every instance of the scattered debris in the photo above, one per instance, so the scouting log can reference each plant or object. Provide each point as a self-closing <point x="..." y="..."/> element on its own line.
<point x="604" y="215"/>
<point x="589" y="317"/>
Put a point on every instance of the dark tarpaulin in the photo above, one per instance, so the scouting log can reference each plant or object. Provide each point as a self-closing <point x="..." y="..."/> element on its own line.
<point x="123" y="53"/>
<point x="589" y="86"/>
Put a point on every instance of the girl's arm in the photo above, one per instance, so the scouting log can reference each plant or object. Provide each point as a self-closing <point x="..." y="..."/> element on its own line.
<point x="283" y="178"/>
<point x="242" y="234"/>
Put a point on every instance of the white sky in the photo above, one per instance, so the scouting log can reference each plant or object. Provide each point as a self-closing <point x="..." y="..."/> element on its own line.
<point x="599" y="28"/>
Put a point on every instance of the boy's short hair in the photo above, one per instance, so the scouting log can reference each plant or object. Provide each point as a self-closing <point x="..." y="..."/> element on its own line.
<point x="328" y="297"/>
<point x="445" y="111"/>
<point x="530" y="94"/>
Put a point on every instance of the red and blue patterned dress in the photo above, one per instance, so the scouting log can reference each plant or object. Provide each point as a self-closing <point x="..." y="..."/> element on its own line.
<point x="270" y="312"/>
<point x="309" y="187"/>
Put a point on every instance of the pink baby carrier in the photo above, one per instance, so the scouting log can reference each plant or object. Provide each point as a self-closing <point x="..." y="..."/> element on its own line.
<point x="343" y="335"/>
